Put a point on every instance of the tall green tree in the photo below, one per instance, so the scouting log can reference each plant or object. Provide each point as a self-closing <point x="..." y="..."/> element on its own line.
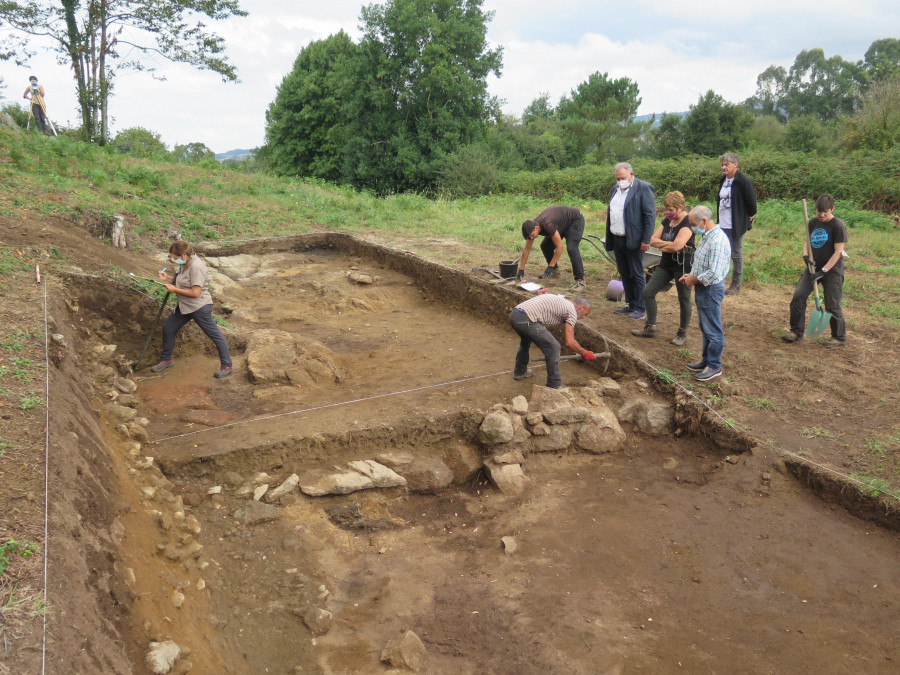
<point x="308" y="123"/>
<point x="667" y="138"/>
<point x="882" y="60"/>
<point x="421" y="90"/>
<point x="599" y="114"/>
<point x="876" y="125"/>
<point x="713" y="125"/>
<point x="101" y="38"/>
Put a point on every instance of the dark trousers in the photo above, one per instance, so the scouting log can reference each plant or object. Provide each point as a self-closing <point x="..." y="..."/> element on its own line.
<point x="40" y="119"/>
<point x="204" y="319"/>
<point x="537" y="333"/>
<point x="572" y="237"/>
<point x="630" y="264"/>
<point x="737" y="256"/>
<point x="833" y="285"/>
<point x="709" y="314"/>
<point x="660" y="279"/>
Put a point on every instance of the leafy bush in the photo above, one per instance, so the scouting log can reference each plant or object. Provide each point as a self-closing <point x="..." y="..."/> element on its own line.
<point x="469" y="172"/>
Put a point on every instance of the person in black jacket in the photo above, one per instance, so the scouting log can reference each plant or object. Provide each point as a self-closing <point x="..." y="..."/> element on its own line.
<point x="630" y="221"/>
<point x="735" y="212"/>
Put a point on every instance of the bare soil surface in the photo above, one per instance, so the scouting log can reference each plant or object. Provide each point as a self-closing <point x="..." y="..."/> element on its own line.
<point x="667" y="556"/>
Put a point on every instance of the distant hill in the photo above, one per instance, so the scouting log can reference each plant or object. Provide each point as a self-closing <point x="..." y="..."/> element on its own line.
<point x="237" y="155"/>
<point x="659" y="116"/>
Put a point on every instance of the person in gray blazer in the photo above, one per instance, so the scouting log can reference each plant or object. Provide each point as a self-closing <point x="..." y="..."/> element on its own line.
<point x="630" y="221"/>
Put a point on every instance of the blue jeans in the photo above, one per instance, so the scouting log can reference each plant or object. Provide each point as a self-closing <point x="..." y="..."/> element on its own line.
<point x="537" y="333"/>
<point x="204" y="319"/>
<point x="630" y="263"/>
<point x="709" y="314"/>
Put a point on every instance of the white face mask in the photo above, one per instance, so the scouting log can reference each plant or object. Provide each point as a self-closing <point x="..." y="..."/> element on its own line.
<point x="623" y="183"/>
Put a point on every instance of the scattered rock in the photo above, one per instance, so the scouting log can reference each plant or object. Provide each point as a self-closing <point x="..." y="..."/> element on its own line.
<point x="602" y="434"/>
<point x="533" y="418"/>
<point x="496" y="428"/>
<point x="178" y="599"/>
<point x="259" y="491"/>
<point x="509" y="478"/>
<point x="286" y="487"/>
<point x="652" y="418"/>
<point x="360" y="278"/>
<point x="520" y="405"/>
<point x="125" y="385"/>
<point x="254" y="513"/>
<point x="161" y="656"/>
<point x="362" y="475"/>
<point x="540" y="429"/>
<point x="122" y="412"/>
<point x="557" y="440"/>
<point x="423" y="474"/>
<point x="509" y="545"/>
<point x="463" y="461"/>
<point x="511" y="457"/>
<point x="406" y="651"/>
<point x="318" y="620"/>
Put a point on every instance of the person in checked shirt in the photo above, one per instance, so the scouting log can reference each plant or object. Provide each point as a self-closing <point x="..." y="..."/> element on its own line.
<point x="711" y="261"/>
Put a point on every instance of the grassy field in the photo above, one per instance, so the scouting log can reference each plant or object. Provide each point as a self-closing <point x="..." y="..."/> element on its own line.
<point x="68" y="179"/>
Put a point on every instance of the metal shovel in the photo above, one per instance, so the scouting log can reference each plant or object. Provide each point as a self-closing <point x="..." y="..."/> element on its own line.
<point x="819" y="319"/>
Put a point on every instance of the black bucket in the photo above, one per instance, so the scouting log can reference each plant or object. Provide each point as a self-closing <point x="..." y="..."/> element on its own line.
<point x="508" y="268"/>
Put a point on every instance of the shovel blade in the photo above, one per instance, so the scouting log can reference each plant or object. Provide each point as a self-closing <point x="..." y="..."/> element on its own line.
<point x="819" y="320"/>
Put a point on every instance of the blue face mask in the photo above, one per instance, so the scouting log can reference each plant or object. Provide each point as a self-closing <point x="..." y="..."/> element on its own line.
<point x="698" y="230"/>
<point x="179" y="261"/>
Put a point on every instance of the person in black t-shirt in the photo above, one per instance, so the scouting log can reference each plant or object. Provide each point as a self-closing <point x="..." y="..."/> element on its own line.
<point x="555" y="224"/>
<point x="675" y="239"/>
<point x="824" y="264"/>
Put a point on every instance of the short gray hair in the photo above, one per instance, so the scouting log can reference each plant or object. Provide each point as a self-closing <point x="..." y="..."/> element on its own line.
<point x="728" y="157"/>
<point x="623" y="165"/>
<point x="582" y="302"/>
<point x="700" y="213"/>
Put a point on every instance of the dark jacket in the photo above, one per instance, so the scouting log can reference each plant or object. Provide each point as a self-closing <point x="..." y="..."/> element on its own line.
<point x="640" y="215"/>
<point x="743" y="203"/>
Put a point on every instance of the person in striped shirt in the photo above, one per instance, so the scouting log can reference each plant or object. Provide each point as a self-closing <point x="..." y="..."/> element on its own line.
<point x="530" y="320"/>
<point x="707" y="276"/>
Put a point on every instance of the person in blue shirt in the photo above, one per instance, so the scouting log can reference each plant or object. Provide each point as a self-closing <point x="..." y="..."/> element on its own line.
<point x="707" y="276"/>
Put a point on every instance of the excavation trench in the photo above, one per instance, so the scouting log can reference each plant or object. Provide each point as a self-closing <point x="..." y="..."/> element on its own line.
<point x="688" y="549"/>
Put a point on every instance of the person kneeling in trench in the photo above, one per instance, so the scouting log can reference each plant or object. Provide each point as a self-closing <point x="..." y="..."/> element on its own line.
<point x="530" y="320"/>
<point x="189" y="283"/>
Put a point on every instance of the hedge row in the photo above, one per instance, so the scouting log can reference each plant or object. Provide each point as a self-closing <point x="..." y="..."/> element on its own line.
<point x="871" y="180"/>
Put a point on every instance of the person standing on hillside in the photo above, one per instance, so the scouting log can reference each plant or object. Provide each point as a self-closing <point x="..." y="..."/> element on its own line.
<point x="190" y="284"/>
<point x="555" y="224"/>
<point x="736" y="209"/>
<point x="530" y="320"/>
<point x="35" y="92"/>
<point x="675" y="239"/>
<point x="630" y="220"/>
<point x="825" y="264"/>
<point x="707" y="277"/>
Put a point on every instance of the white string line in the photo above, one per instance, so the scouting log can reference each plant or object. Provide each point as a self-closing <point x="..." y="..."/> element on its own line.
<point x="46" y="473"/>
<point x="336" y="405"/>
<point x="729" y="424"/>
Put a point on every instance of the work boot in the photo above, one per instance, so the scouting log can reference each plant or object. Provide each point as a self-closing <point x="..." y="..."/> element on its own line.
<point x="224" y="371"/>
<point x="679" y="338"/>
<point x="834" y="342"/>
<point x="579" y="287"/>
<point x="696" y="367"/>
<point x="792" y="337"/>
<point x="734" y="289"/>
<point x="648" y="331"/>
<point x="523" y="376"/>
<point x="624" y="309"/>
<point x="162" y="365"/>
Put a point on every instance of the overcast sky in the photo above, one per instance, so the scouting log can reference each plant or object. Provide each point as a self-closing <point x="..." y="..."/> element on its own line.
<point x="674" y="50"/>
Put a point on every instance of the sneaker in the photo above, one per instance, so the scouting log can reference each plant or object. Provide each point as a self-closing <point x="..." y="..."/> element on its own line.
<point x="625" y="309"/>
<point x="162" y="365"/>
<point x="834" y="342"/>
<point x="679" y="338"/>
<point x="561" y="387"/>
<point x="707" y="374"/>
<point x="792" y="337"/>
<point x="733" y="290"/>
<point x="523" y="376"/>
<point x="224" y="371"/>
<point x="638" y="315"/>
<point x="579" y="286"/>
<point x="648" y="331"/>
<point x="696" y="367"/>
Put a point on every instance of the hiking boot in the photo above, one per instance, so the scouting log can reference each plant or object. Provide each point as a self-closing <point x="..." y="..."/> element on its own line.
<point x="561" y="387"/>
<point x="648" y="331"/>
<point x="834" y="342"/>
<point x="162" y="365"/>
<point x="579" y="286"/>
<point x="637" y="315"/>
<point x="792" y="337"/>
<point x="523" y="376"/>
<point x="696" y="367"/>
<point x="679" y="338"/>
<point x="707" y="374"/>
<point x="733" y="290"/>
<point x="224" y="371"/>
<point x="625" y="309"/>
